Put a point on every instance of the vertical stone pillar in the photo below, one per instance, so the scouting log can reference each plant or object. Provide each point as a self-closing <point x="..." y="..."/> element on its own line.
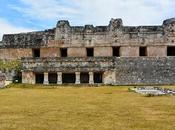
<point x="46" y="78"/>
<point x="77" y="74"/>
<point x="91" y="78"/>
<point x="59" y="78"/>
<point x="28" y="77"/>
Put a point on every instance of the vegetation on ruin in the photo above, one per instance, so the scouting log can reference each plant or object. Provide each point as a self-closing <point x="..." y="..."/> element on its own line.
<point x="10" y="65"/>
<point x="83" y="108"/>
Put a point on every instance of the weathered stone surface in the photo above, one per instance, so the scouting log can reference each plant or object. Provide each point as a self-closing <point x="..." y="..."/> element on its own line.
<point x="76" y="52"/>
<point x="28" y="77"/>
<point x="13" y="54"/>
<point x="128" y="69"/>
<point x="27" y="40"/>
<point x="169" y="21"/>
<point x="142" y="71"/>
<point x="115" y="34"/>
<point x="102" y="51"/>
<point x="118" y="71"/>
<point x="153" y="91"/>
<point x="49" y="52"/>
<point x="67" y="64"/>
<point x="129" y="51"/>
<point x="2" y="80"/>
<point x="157" y="51"/>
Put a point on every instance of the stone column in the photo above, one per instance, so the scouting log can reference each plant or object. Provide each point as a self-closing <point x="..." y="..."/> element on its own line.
<point x="91" y="78"/>
<point x="59" y="78"/>
<point x="28" y="77"/>
<point x="46" y="78"/>
<point x="77" y="74"/>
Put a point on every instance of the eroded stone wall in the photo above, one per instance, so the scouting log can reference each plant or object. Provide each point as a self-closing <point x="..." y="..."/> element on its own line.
<point x="50" y="52"/>
<point x="116" y="71"/>
<point x="129" y="68"/>
<point x="128" y="51"/>
<point x="76" y="52"/>
<point x="157" y="51"/>
<point x="101" y="38"/>
<point x="15" y="53"/>
<point x="28" y="77"/>
<point x="109" y="77"/>
<point x="102" y="51"/>
<point x="144" y="71"/>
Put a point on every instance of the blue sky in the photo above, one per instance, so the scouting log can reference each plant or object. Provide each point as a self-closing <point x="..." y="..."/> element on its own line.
<point x="28" y="15"/>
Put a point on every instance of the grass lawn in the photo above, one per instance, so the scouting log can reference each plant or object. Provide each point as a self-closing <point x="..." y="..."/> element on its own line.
<point x="24" y="107"/>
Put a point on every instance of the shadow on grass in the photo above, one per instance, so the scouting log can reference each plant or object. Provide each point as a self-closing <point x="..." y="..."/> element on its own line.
<point x="31" y="86"/>
<point x="55" y="86"/>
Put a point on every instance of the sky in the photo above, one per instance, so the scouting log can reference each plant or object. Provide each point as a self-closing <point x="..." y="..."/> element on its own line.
<point x="30" y="15"/>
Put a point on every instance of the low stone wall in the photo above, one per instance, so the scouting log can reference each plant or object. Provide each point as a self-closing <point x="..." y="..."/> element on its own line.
<point x="2" y="80"/>
<point x="145" y="71"/>
<point x="117" y="71"/>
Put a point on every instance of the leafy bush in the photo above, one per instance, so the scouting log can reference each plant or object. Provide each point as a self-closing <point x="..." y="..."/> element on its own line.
<point x="10" y="65"/>
<point x="130" y="90"/>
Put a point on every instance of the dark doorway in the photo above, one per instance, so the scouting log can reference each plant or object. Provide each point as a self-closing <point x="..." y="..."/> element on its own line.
<point x="39" y="78"/>
<point x="68" y="77"/>
<point x="84" y="77"/>
<point x="143" y="51"/>
<point x="63" y="52"/>
<point x="116" y="51"/>
<point x="90" y="52"/>
<point x="98" y="77"/>
<point x="52" y="78"/>
<point x="36" y="53"/>
<point x="171" y="51"/>
<point x="18" y="78"/>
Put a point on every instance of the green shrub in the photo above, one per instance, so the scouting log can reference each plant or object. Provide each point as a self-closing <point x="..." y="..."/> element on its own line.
<point x="130" y="90"/>
<point x="10" y="65"/>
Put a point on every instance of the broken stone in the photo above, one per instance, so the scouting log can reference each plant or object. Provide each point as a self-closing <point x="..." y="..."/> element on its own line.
<point x="153" y="90"/>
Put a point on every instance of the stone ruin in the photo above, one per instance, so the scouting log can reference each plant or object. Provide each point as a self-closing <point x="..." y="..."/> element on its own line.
<point x="153" y="91"/>
<point x="114" y="54"/>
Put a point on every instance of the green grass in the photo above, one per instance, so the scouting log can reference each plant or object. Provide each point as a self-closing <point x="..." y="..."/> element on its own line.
<point x="28" y="107"/>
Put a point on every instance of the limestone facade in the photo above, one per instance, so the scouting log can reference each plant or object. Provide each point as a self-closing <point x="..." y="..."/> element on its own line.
<point x="114" y="54"/>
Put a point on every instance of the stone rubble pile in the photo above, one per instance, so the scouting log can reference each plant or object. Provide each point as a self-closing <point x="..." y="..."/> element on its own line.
<point x="155" y="91"/>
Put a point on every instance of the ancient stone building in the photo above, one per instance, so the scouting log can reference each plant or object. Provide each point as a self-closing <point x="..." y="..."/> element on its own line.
<point x="113" y="54"/>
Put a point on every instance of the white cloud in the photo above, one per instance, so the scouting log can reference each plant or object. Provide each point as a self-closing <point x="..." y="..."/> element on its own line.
<point x="7" y="28"/>
<point x="133" y="12"/>
<point x="44" y="9"/>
